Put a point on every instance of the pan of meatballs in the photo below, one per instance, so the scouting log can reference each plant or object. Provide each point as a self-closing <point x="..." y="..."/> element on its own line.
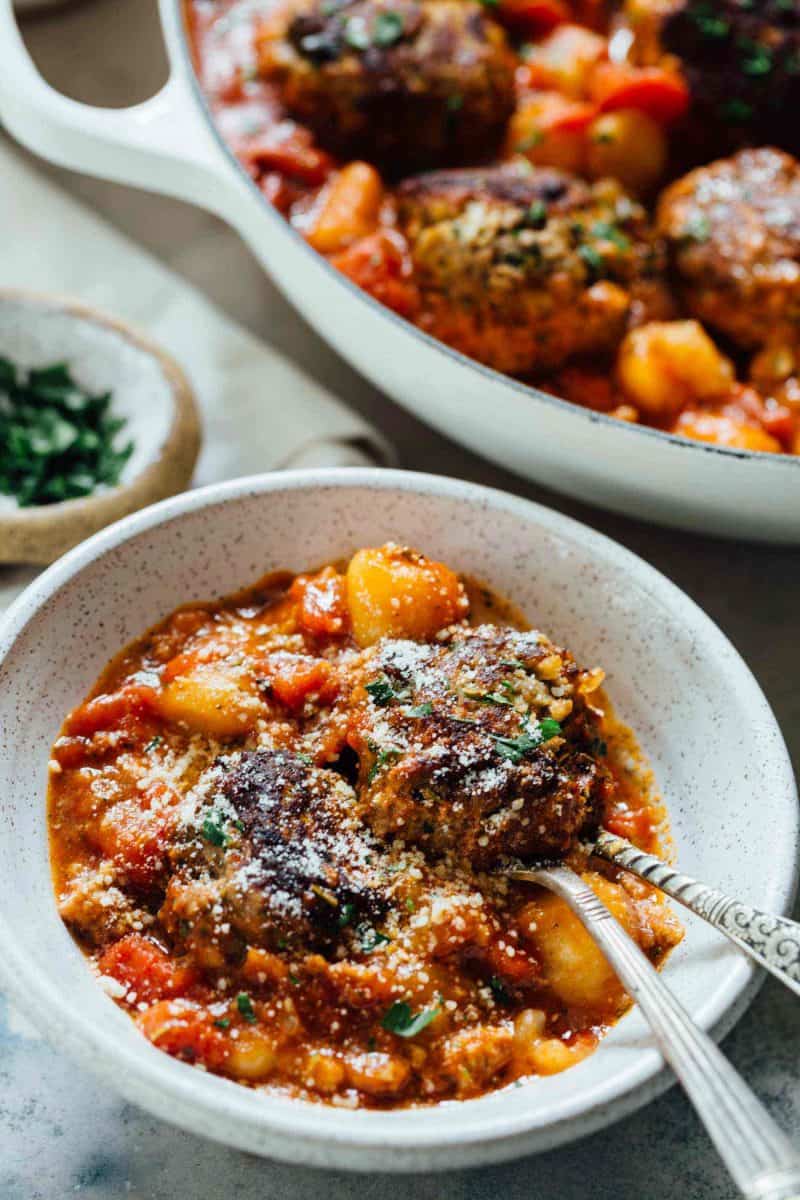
<point x="565" y="232"/>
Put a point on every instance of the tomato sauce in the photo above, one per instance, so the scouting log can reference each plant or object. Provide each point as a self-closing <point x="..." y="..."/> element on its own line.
<point x="266" y="837"/>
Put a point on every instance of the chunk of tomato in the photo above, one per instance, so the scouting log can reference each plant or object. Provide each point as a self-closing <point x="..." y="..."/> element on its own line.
<point x="635" y="824"/>
<point x="322" y="603"/>
<point x="513" y="965"/>
<point x="660" y="93"/>
<point x="533" y="17"/>
<point x="134" y="834"/>
<point x="142" y="967"/>
<point x="381" y="265"/>
<point x="110" y="710"/>
<point x="294" y="678"/>
<point x="186" y="1031"/>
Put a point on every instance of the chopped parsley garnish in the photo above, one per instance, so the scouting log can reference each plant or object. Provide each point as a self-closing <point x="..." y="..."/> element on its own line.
<point x="383" y="756"/>
<point x="57" y="440"/>
<point x="737" y="110"/>
<point x="509" y="687"/>
<point x="410" y="905"/>
<point x="293" y="980"/>
<point x="593" y="259"/>
<point x="711" y="26"/>
<point x="419" y="710"/>
<point x="758" y="58"/>
<point x="154" y="741"/>
<point x="223" y="1022"/>
<point x="388" y="29"/>
<point x="370" y="938"/>
<point x="598" y="747"/>
<point x="607" y="232"/>
<point x="346" y="913"/>
<point x="381" y="691"/>
<point x="490" y="3"/>
<point x="245" y="1007"/>
<point x="499" y="990"/>
<point x="493" y="698"/>
<point x="400" y="1019"/>
<point x="549" y="728"/>
<point x="213" y="831"/>
<point x="514" y="663"/>
<point x="536" y="214"/>
<point x="515" y="749"/>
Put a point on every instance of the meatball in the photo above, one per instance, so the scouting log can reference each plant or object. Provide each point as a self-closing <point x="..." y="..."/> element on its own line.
<point x="742" y="63"/>
<point x="478" y="746"/>
<point x="522" y="267"/>
<point x="402" y="83"/>
<point x="278" y="857"/>
<point x="733" y="230"/>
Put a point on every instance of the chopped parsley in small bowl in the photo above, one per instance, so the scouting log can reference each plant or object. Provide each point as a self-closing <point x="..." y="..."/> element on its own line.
<point x="95" y="422"/>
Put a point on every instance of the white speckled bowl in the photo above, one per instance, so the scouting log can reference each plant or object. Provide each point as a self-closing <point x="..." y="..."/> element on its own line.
<point x="718" y="755"/>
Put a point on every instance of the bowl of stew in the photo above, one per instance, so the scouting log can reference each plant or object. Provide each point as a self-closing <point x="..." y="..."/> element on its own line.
<point x="267" y="747"/>
<point x="564" y="234"/>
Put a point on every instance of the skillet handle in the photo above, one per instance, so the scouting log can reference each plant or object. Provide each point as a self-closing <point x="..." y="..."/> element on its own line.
<point x="163" y="144"/>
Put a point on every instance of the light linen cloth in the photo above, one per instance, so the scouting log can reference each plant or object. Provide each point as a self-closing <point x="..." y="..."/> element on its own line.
<point x="260" y="413"/>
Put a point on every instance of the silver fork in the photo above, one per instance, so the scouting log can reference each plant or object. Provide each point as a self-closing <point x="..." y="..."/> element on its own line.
<point x="772" y="941"/>
<point x="761" y="1160"/>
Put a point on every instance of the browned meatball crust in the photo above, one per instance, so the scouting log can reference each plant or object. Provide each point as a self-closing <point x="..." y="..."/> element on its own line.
<point x="273" y="853"/>
<point x="402" y="83"/>
<point x="478" y="746"/>
<point x="733" y="230"/>
<point x="742" y="63"/>
<point x="524" y="268"/>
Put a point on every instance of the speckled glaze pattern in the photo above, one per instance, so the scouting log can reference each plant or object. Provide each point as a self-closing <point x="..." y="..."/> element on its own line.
<point x="699" y="714"/>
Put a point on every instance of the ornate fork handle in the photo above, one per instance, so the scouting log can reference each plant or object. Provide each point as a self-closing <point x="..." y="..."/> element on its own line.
<point x="772" y="941"/>
<point x="761" y="1160"/>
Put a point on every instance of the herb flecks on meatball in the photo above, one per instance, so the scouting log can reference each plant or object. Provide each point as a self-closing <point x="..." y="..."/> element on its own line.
<point x="402" y="83"/>
<point x="524" y="268"/>
<point x="478" y="746"/>
<point x="272" y="853"/>
<point x="733" y="230"/>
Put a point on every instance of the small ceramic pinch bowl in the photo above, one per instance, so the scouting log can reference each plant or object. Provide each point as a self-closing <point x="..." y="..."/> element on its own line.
<point x="149" y="390"/>
<point x="716" y="750"/>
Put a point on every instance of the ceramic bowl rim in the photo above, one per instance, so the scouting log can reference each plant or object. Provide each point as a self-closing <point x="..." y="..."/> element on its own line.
<point x="155" y="1079"/>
